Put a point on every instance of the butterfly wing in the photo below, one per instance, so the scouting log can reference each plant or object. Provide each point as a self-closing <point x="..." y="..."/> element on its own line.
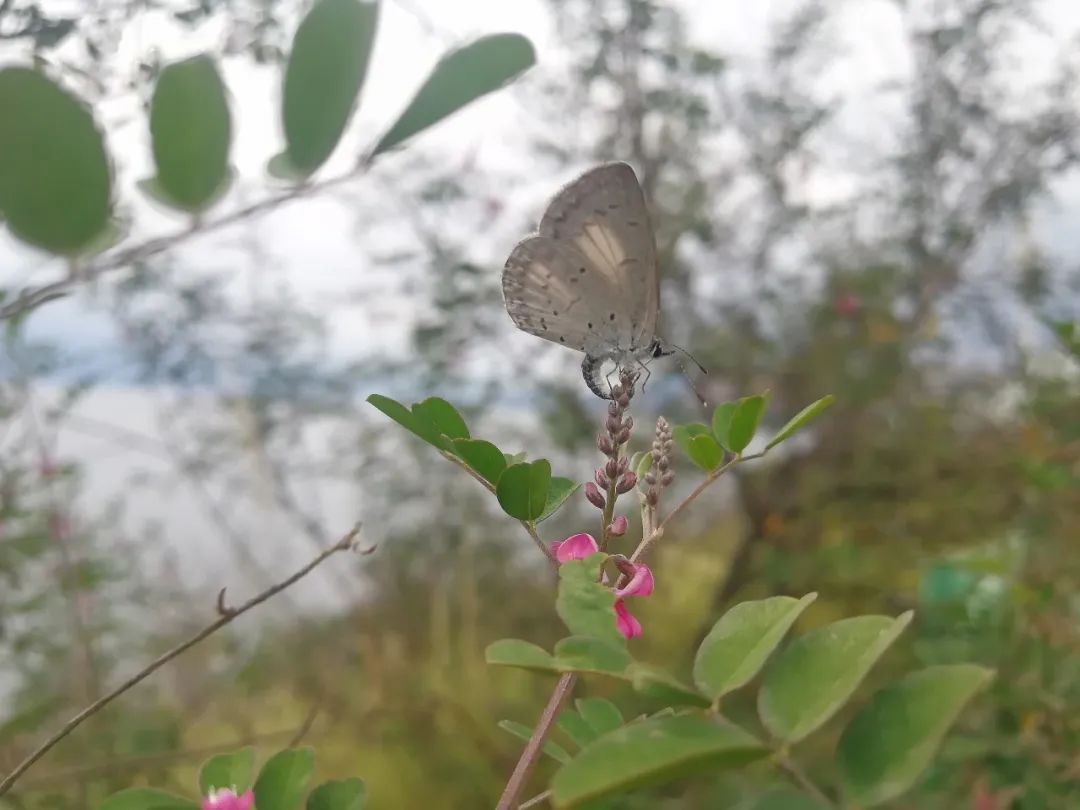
<point x="589" y="279"/>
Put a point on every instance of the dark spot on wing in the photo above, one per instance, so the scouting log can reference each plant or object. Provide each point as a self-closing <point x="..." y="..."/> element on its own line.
<point x="555" y="313"/>
<point x="562" y="340"/>
<point x="590" y="324"/>
<point x="613" y="206"/>
<point x="632" y="223"/>
<point x="581" y="271"/>
<point x="611" y="317"/>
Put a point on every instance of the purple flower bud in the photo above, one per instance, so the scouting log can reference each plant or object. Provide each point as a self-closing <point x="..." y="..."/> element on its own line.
<point x="594" y="496"/>
<point x="624" y="465"/>
<point x="618" y="526"/>
<point x="628" y="422"/>
<point x="603" y="444"/>
<point x="613" y="409"/>
<point x="624" y="435"/>
<point x="626" y="483"/>
<point x="613" y="425"/>
<point x="612" y="468"/>
<point x="667" y="477"/>
<point x="652" y="497"/>
<point x="602" y="479"/>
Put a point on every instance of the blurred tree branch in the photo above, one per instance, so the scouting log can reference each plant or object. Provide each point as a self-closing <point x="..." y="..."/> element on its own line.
<point x="227" y="615"/>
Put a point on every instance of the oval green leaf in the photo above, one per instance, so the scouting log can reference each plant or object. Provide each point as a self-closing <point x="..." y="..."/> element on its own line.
<point x="523" y="489"/>
<point x="892" y="740"/>
<point x="338" y="794"/>
<point x="55" y="180"/>
<point x="559" y="490"/>
<point x="699" y="445"/>
<point x="820" y="671"/>
<point x="460" y="77"/>
<point x="326" y="69"/>
<point x="442" y="416"/>
<point x="234" y="770"/>
<point x="651" y="752"/>
<point x="524" y="733"/>
<point x="744" y="422"/>
<point x="574" y="726"/>
<point x="190" y="133"/>
<point x="485" y="458"/>
<point x="739" y="643"/>
<point x="587" y="654"/>
<point x="512" y="652"/>
<point x="801" y="420"/>
<point x="147" y="799"/>
<point x="601" y="715"/>
<point x="284" y="778"/>
<point x="586" y="607"/>
<point x="721" y="423"/>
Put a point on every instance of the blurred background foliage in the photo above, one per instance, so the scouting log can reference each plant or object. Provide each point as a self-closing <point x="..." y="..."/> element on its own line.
<point x="893" y="250"/>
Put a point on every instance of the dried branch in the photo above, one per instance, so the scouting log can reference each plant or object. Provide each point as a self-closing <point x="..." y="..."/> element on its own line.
<point x="346" y="543"/>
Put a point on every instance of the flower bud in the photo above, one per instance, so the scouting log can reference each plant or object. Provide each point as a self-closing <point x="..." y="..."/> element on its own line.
<point x="613" y="409"/>
<point x="602" y="479"/>
<point x="667" y="477"/>
<point x="603" y="444"/>
<point x="613" y="425"/>
<point x="624" y="435"/>
<point x="626" y="483"/>
<point x="594" y="496"/>
<point x="612" y="468"/>
<point x="628" y="422"/>
<point x="623" y="465"/>
<point x="618" y="526"/>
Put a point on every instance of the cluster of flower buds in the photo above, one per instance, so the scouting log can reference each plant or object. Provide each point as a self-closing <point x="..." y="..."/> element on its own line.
<point x="613" y="477"/>
<point x="660" y="473"/>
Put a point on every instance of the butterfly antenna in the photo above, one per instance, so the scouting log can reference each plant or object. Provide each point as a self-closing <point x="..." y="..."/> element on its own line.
<point x="690" y="382"/>
<point x="692" y="358"/>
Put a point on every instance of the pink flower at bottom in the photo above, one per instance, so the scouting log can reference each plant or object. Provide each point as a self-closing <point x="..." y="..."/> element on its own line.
<point x="226" y="799"/>
<point x="576" y="547"/>
<point x="627" y="624"/>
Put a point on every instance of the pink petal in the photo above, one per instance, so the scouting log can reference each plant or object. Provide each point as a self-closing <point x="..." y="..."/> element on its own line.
<point x="627" y="624"/>
<point x="245" y="801"/>
<point x="640" y="584"/>
<point x="226" y="799"/>
<point x="577" y="547"/>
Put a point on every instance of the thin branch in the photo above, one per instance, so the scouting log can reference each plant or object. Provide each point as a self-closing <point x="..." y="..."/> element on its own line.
<point x="535" y="801"/>
<point x="345" y="543"/>
<point x="658" y="532"/>
<point x="793" y="770"/>
<point x="36" y="296"/>
<point x="531" y="754"/>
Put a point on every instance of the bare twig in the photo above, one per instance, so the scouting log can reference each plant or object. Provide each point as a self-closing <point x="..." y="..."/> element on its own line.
<point x="345" y="543"/>
<point x="795" y="772"/>
<point x="658" y="532"/>
<point x="524" y="767"/>
<point x="535" y="801"/>
<point x="35" y="296"/>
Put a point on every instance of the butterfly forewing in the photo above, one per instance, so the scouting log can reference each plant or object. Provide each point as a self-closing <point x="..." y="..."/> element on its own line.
<point x="588" y="279"/>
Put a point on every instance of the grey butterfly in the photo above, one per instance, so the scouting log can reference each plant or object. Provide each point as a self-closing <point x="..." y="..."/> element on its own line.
<point x="588" y="277"/>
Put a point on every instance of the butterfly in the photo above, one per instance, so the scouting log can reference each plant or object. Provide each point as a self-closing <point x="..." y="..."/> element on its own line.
<point x="588" y="278"/>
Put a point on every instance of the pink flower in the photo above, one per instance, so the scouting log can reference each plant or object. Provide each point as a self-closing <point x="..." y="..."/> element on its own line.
<point x="226" y="799"/>
<point x="627" y="624"/>
<point x="640" y="584"/>
<point x="577" y="547"/>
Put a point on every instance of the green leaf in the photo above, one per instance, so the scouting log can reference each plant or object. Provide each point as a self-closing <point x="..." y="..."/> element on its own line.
<point x="338" y="794"/>
<point x="523" y="489"/>
<point x="721" y="423"/>
<point x="744" y="422"/>
<point x="559" y="490"/>
<point x="641" y="463"/>
<point x="738" y="645"/>
<point x="283" y="779"/>
<point x="699" y="445"/>
<point x="281" y="167"/>
<point x="190" y="133"/>
<point x="819" y="672"/>
<point x="523" y="732"/>
<point x="584" y="605"/>
<point x="587" y="654"/>
<point x="512" y="652"/>
<point x="573" y="725"/>
<point x="234" y="770"/>
<point x="482" y="456"/>
<point x="602" y="715"/>
<point x="147" y="799"/>
<point x="55" y="179"/>
<point x="664" y="687"/>
<point x="515" y="458"/>
<point x="801" y="420"/>
<point x="460" y="77"/>
<point x="652" y="752"/>
<point x="442" y="416"/>
<point x="326" y="70"/>
<point x="892" y="740"/>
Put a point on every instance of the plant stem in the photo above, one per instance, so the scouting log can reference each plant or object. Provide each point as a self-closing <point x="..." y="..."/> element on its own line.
<point x="531" y="754"/>
<point x="226" y="616"/>
<point x="793" y="770"/>
<point x="535" y="801"/>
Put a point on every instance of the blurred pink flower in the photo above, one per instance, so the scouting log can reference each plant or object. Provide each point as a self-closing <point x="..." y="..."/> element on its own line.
<point x="576" y="547"/>
<point x="226" y="799"/>
<point x="627" y="624"/>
